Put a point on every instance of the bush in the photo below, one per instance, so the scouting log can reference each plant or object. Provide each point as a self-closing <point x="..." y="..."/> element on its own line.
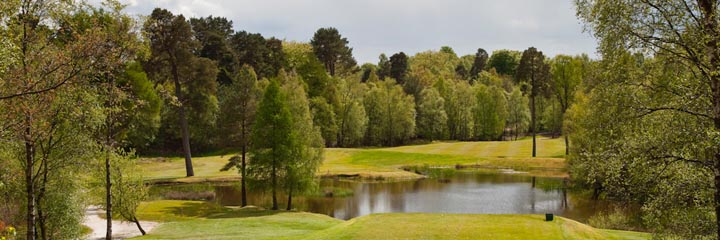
<point x="615" y="219"/>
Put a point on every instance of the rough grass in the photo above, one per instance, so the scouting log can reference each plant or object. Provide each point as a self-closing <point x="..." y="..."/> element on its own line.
<point x="202" y="220"/>
<point x="384" y="163"/>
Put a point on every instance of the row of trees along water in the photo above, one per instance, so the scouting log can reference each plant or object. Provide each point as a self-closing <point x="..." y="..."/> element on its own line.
<point x="83" y="89"/>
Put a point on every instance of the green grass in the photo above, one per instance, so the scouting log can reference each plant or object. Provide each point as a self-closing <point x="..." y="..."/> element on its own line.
<point x="202" y="220"/>
<point x="384" y="163"/>
<point x="466" y="226"/>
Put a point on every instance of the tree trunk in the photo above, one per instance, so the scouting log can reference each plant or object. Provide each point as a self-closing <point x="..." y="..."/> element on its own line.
<point x="40" y="220"/>
<point x="41" y="223"/>
<point x="243" y="191"/>
<point x="108" y="195"/>
<point x="137" y="223"/>
<point x="532" y="124"/>
<point x="289" y="204"/>
<point x="29" y="183"/>
<point x="274" y="188"/>
<point x="567" y="145"/>
<point x="183" y="124"/>
<point x="712" y="51"/>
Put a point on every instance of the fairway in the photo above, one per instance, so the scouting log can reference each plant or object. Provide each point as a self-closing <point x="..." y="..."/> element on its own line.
<point x="201" y="220"/>
<point x="385" y="163"/>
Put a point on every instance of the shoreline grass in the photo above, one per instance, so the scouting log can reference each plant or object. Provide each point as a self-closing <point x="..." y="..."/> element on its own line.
<point x="203" y="220"/>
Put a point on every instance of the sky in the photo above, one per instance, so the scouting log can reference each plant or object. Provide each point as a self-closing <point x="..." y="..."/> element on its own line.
<point x="388" y="26"/>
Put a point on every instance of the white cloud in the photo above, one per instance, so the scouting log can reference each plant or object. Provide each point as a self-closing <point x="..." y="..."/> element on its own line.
<point x="389" y="26"/>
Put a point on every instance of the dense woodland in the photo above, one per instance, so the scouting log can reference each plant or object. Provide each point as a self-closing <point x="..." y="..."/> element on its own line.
<point x="85" y="91"/>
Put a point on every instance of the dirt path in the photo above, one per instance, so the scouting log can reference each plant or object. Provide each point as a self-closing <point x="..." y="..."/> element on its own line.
<point x="121" y="230"/>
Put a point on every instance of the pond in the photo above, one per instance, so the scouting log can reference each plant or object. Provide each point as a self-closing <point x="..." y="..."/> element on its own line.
<point x="460" y="192"/>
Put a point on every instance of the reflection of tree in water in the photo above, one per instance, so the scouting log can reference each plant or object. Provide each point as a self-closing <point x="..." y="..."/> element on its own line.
<point x="465" y="192"/>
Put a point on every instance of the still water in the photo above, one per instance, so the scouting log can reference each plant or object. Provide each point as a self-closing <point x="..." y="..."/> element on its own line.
<point x="463" y="192"/>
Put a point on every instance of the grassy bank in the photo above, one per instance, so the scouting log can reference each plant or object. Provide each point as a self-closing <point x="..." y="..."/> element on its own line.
<point x="385" y="163"/>
<point x="201" y="220"/>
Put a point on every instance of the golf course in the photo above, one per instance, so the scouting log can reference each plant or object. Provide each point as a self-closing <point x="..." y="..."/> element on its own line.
<point x="206" y="220"/>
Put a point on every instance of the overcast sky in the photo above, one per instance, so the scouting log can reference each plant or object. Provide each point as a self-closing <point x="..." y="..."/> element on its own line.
<point x="389" y="26"/>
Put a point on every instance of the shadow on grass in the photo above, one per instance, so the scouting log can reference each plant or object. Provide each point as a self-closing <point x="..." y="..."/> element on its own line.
<point x="212" y="211"/>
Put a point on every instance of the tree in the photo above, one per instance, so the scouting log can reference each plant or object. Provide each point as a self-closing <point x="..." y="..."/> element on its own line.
<point x="272" y="140"/>
<point x="490" y="112"/>
<point x="461" y="72"/>
<point x="306" y="152"/>
<point x="391" y="114"/>
<point x="567" y="74"/>
<point x="172" y="45"/>
<point x="350" y="113"/>
<point x="128" y="189"/>
<point x="459" y="102"/>
<point x="367" y="69"/>
<point x="213" y="34"/>
<point x="534" y="72"/>
<point x="437" y="64"/>
<point x="266" y="56"/>
<point x="239" y="106"/>
<point x="481" y="58"/>
<point x="676" y="117"/>
<point x="332" y="49"/>
<point x="432" y="119"/>
<point x="323" y="115"/>
<point x="123" y="99"/>
<point x="399" y="67"/>
<point x="518" y="112"/>
<point x="504" y="62"/>
<point x="50" y="54"/>
<point x="383" y="67"/>
<point x="304" y="63"/>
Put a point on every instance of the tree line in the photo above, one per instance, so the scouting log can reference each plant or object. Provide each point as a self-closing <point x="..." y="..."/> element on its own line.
<point x="84" y="89"/>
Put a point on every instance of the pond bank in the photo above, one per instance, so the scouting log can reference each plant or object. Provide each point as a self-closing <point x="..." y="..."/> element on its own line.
<point x="201" y="220"/>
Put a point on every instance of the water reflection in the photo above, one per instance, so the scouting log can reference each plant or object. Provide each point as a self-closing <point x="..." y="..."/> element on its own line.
<point x="465" y="192"/>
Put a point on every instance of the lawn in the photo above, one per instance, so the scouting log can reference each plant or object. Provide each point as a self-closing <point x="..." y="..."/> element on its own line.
<point x="202" y="220"/>
<point x="385" y="163"/>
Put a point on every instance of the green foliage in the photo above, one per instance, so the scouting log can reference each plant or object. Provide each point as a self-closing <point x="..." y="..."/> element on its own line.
<point x="128" y="189"/>
<point x="399" y="67"/>
<point x="459" y="102"/>
<point x="350" y="114"/>
<point x="265" y="56"/>
<point x="481" y="59"/>
<point x="504" y="62"/>
<point x="383" y="67"/>
<point x="614" y="219"/>
<point x="438" y="64"/>
<point x="645" y="156"/>
<point x="324" y="117"/>
<point x="391" y="114"/>
<point x="367" y="70"/>
<point x="145" y="110"/>
<point x="518" y="112"/>
<point x="238" y="107"/>
<point x="551" y="118"/>
<point x="490" y="112"/>
<point x="213" y="34"/>
<point x="272" y="140"/>
<point x="332" y="49"/>
<point x="307" y="147"/>
<point x="432" y="118"/>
